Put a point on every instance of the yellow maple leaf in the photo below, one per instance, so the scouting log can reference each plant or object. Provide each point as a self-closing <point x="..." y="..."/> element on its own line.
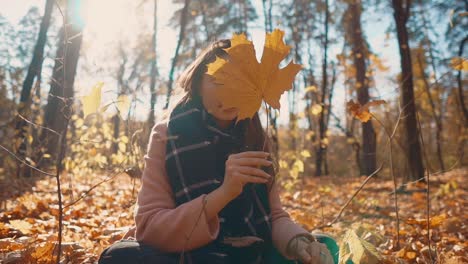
<point x="244" y="82"/>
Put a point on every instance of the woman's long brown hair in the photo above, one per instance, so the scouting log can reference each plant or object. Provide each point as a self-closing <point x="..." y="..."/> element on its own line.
<point x="189" y="83"/>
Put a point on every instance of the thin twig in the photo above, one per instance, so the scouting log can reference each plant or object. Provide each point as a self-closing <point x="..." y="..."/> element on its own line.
<point x="85" y="194"/>
<point x="428" y="200"/>
<point x="350" y="199"/>
<point x="25" y="163"/>
<point x="182" y="257"/>
<point x="62" y="142"/>
<point x="62" y="139"/>
<point x="395" y="195"/>
<point x="455" y="163"/>
<point x="37" y="125"/>
<point x="390" y="137"/>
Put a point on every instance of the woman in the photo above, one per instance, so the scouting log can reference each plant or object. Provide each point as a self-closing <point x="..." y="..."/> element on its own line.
<point x="208" y="193"/>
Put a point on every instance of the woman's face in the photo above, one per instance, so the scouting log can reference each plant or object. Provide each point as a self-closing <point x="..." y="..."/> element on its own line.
<point x="211" y="103"/>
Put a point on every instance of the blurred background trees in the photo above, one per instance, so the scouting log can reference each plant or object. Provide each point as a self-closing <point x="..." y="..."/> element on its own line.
<point x="410" y="53"/>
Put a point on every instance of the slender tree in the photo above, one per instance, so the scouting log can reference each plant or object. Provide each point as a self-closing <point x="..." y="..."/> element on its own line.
<point x="460" y="83"/>
<point x="355" y="38"/>
<point x="461" y="95"/>
<point x="154" y="66"/>
<point x="34" y="73"/>
<point x="183" y="24"/>
<point x="401" y="13"/>
<point x="319" y="158"/>
<point x="59" y="102"/>
<point x="420" y="63"/>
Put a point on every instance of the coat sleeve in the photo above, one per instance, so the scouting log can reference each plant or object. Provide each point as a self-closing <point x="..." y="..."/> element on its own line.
<point x="159" y="222"/>
<point x="283" y="227"/>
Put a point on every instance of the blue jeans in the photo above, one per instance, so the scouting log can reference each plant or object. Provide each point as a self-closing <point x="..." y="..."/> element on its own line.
<point x="133" y="252"/>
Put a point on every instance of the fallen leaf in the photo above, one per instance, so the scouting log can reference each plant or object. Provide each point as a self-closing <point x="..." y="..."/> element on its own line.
<point x="21" y="225"/>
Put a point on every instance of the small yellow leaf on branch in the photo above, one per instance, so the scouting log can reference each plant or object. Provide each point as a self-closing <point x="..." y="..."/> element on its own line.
<point x="123" y="105"/>
<point x="316" y="109"/>
<point x="92" y="101"/>
<point x="305" y="154"/>
<point x="310" y="89"/>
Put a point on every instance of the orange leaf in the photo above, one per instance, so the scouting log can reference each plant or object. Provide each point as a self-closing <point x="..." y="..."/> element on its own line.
<point x="357" y="111"/>
<point x="434" y="221"/>
<point x="244" y="82"/>
<point x="44" y="252"/>
<point x="459" y="64"/>
<point x="363" y="112"/>
<point x="410" y="255"/>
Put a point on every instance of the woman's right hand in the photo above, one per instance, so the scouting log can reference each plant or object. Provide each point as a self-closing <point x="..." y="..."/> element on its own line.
<point x="242" y="168"/>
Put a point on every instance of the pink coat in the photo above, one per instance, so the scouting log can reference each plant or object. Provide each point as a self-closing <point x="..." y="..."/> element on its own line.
<point x="161" y="224"/>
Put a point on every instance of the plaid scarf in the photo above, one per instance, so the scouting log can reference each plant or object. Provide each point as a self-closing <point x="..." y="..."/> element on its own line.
<point x="196" y="153"/>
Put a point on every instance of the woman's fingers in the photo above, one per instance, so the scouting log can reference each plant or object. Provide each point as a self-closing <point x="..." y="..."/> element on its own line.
<point x="314" y="250"/>
<point x="304" y="256"/>
<point x="252" y="162"/>
<point x="253" y="172"/>
<point x="247" y="178"/>
<point x="320" y="252"/>
<point x="325" y="255"/>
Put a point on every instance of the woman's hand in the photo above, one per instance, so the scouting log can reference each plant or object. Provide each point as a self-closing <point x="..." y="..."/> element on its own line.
<point x="242" y="168"/>
<point x="309" y="252"/>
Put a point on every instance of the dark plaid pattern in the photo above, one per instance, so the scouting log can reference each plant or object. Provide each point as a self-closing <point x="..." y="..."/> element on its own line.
<point x="196" y="153"/>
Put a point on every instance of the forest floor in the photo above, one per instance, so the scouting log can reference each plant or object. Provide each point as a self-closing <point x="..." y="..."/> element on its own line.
<point x="29" y="210"/>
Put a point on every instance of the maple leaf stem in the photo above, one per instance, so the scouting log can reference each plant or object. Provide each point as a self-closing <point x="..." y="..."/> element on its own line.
<point x="267" y="125"/>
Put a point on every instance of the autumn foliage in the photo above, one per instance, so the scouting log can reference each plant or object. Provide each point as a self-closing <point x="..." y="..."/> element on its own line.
<point x="370" y="143"/>
<point x="102" y="216"/>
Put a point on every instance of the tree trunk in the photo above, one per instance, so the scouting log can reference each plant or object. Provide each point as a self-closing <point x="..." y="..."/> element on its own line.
<point x="267" y="15"/>
<point x="460" y="84"/>
<point x="116" y="133"/>
<point x="437" y="118"/>
<point x="327" y="118"/>
<point x="369" y="144"/>
<point x="321" y="147"/>
<point x="183" y="23"/>
<point x="461" y="146"/>
<point x="415" y="164"/>
<point x="34" y="71"/>
<point x="58" y="109"/>
<point x="154" y="69"/>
